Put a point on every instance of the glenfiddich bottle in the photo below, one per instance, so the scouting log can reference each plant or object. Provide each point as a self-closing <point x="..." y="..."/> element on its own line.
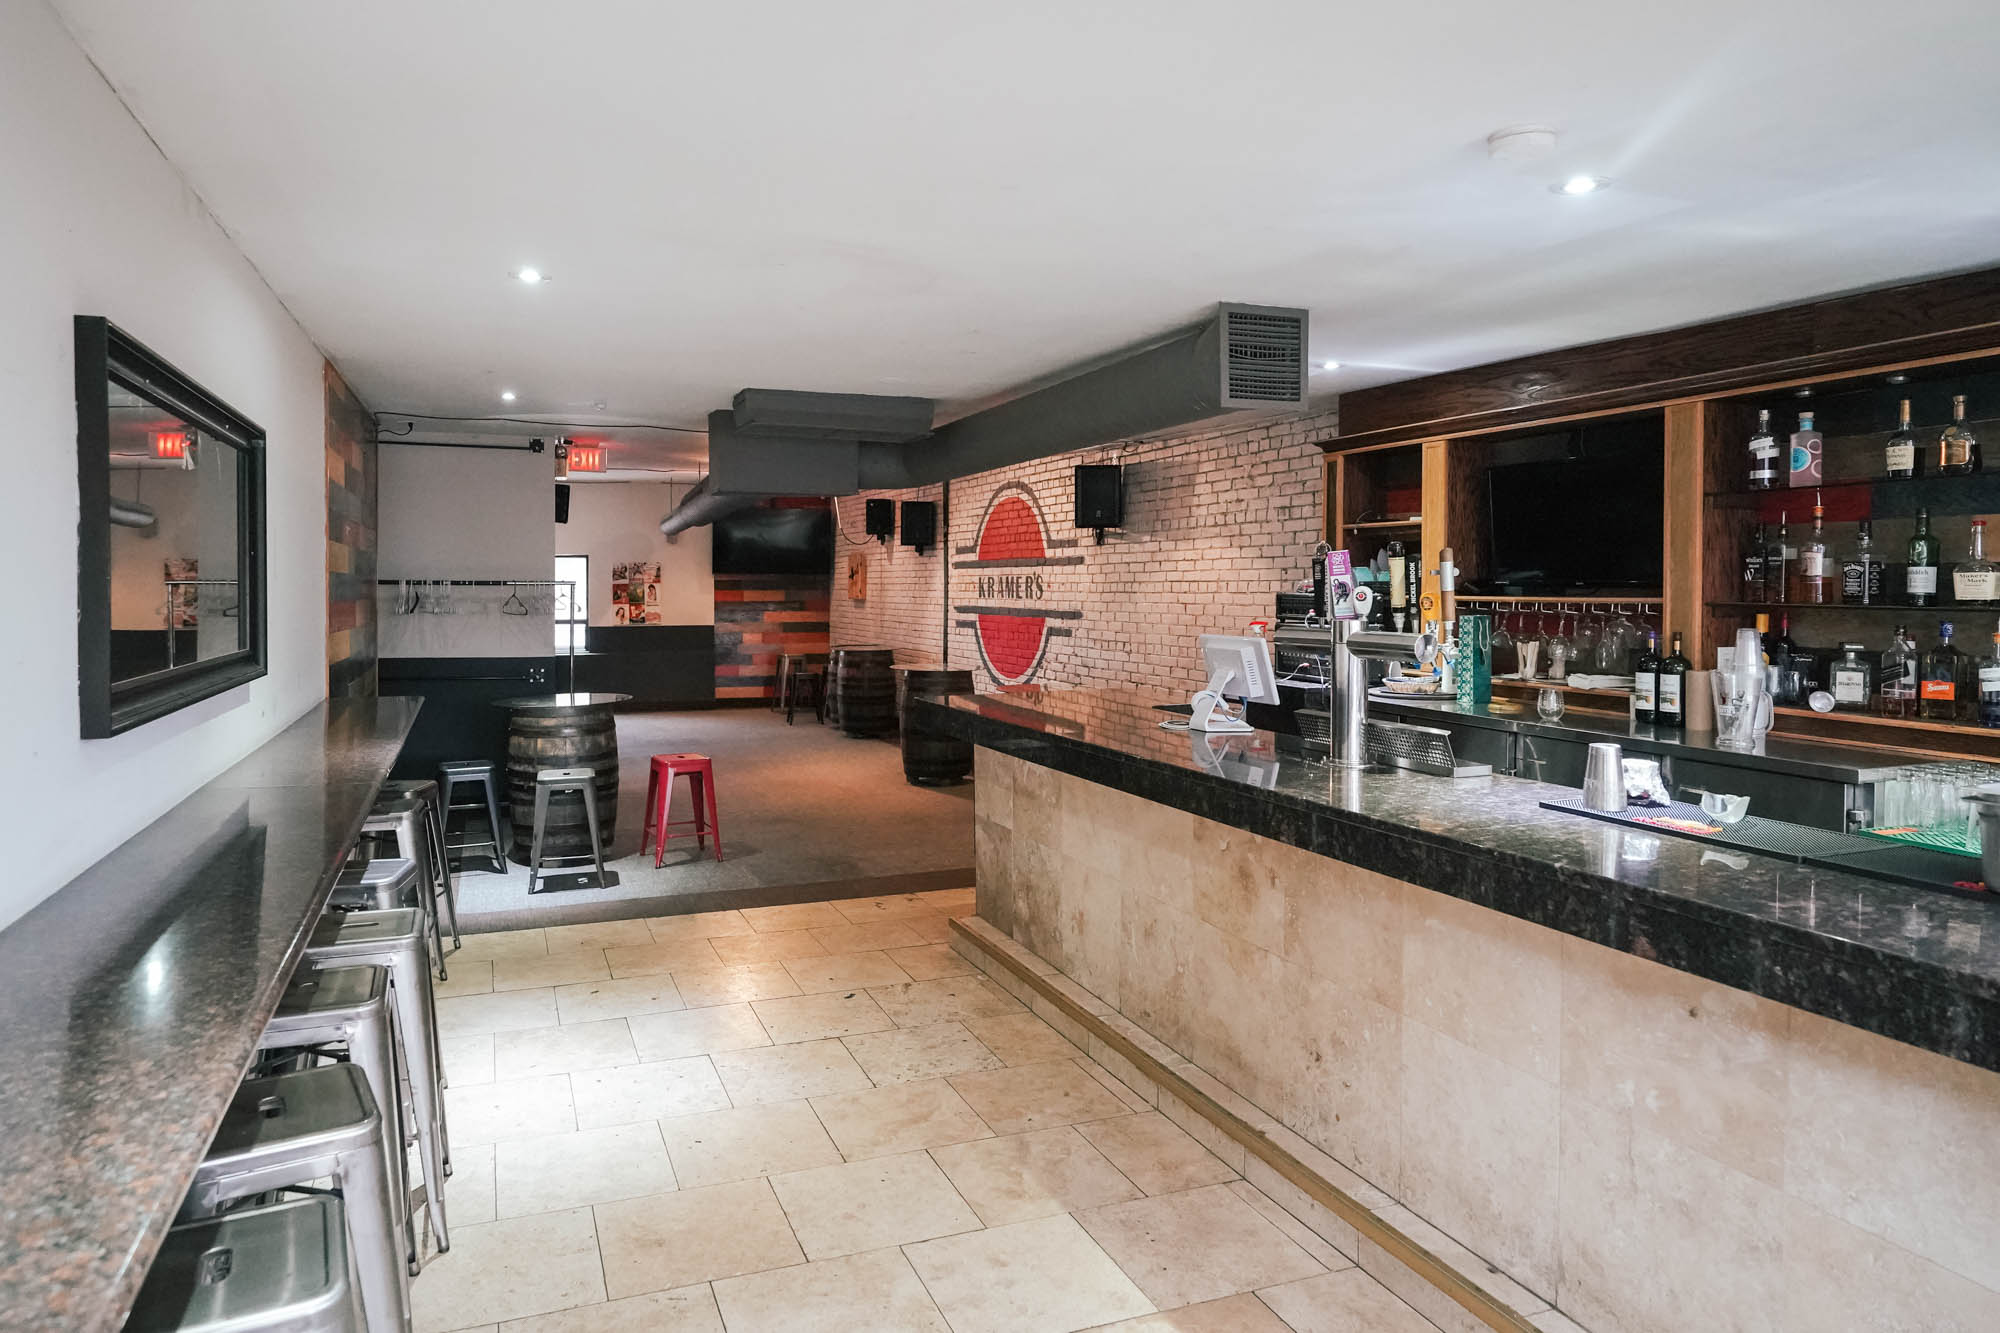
<point x="1920" y="576"/>
<point x="1958" y="448"/>
<point x="1899" y="454"/>
<point x="1763" y="455"/>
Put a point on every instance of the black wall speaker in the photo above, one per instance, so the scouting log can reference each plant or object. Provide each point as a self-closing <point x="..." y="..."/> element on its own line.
<point x="1100" y="497"/>
<point x="920" y="524"/>
<point x="881" y="518"/>
<point x="562" y="502"/>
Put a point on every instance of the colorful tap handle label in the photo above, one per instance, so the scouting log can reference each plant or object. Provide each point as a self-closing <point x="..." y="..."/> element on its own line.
<point x="1340" y="586"/>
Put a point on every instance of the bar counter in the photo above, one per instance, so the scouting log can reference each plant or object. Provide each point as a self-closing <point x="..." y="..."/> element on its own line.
<point x="135" y="995"/>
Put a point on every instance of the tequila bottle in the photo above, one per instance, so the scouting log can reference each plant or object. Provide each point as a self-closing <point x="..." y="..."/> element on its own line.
<point x="1938" y="679"/>
<point x="1920" y="576"/>
<point x="1763" y="455"/>
<point x="1977" y="580"/>
<point x="1899" y="453"/>
<point x="1957" y="447"/>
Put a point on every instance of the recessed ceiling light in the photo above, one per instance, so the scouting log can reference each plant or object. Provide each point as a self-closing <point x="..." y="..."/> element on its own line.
<point x="531" y="276"/>
<point x="1329" y="365"/>
<point x="1802" y="393"/>
<point x="506" y="395"/>
<point x="1899" y="379"/>
<point x="1581" y="185"/>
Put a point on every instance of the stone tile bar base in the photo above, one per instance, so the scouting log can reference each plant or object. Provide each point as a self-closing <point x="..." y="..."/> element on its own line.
<point x="1644" y="1149"/>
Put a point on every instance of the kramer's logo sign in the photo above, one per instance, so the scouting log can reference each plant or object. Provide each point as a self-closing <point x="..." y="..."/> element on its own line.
<point x="1017" y="597"/>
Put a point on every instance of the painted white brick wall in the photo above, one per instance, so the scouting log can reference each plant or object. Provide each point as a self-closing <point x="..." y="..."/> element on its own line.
<point x="1216" y="522"/>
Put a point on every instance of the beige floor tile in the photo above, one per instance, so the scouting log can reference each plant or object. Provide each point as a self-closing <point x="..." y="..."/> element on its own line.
<point x="905" y="1055"/>
<point x="811" y="1017"/>
<point x="1021" y="1039"/>
<point x="1195" y="1246"/>
<point x="1021" y="1176"/>
<point x="878" y="1292"/>
<point x="899" y="1118"/>
<point x="1231" y="1314"/>
<point x="514" y="1109"/>
<point x="705" y="986"/>
<point x="589" y="1001"/>
<point x="845" y="971"/>
<point x="483" y="1279"/>
<point x="948" y="999"/>
<point x="1152" y="1151"/>
<point x="469" y="1192"/>
<point x="793" y="916"/>
<point x="929" y="929"/>
<point x="928" y="962"/>
<point x="1030" y="1277"/>
<point x="688" y="1310"/>
<point x="773" y="947"/>
<point x="1297" y="1232"/>
<point x="693" y="1235"/>
<point x="541" y="1175"/>
<point x="787" y="1073"/>
<point x="501" y="944"/>
<point x="470" y="1015"/>
<point x="668" y="1036"/>
<point x="596" y="935"/>
<point x="650" y="1091"/>
<point x="697" y="926"/>
<point x="868" y="911"/>
<point x="554" y="969"/>
<point x="950" y="900"/>
<point x="856" y="939"/>
<point x="645" y="960"/>
<point x="467" y="1060"/>
<point x="469" y="976"/>
<point x="746" y="1142"/>
<point x="1017" y="1099"/>
<point x="563" y="1050"/>
<point x="1345" y="1302"/>
<point x="855" y="1206"/>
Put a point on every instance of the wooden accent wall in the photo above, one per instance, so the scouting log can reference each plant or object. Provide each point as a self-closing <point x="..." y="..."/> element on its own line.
<point x="758" y="616"/>
<point x="352" y="478"/>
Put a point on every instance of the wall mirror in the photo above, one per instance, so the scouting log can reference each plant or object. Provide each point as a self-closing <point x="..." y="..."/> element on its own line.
<point x="170" y="536"/>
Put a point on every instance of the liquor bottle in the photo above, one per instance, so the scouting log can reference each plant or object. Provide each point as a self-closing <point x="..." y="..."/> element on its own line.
<point x="1777" y="566"/>
<point x="1861" y="569"/>
<point x="1920" y="576"/>
<point x="1753" y="567"/>
<point x="1398" y="589"/>
<point x="1792" y="666"/>
<point x="1853" y="680"/>
<point x="1899" y="676"/>
<point x="1989" y="685"/>
<point x="1669" y="698"/>
<point x="1764" y="635"/>
<point x="1937" y="679"/>
<point x="1763" y="456"/>
<point x="1646" y="681"/>
<point x="1808" y="451"/>
<point x="1957" y="447"/>
<point x="1899" y="453"/>
<point x="1978" y="579"/>
<point x="1817" y="584"/>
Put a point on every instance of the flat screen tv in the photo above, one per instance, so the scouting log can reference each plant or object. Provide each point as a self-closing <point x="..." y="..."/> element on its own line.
<point x="1589" y="517"/>
<point x="775" y="541"/>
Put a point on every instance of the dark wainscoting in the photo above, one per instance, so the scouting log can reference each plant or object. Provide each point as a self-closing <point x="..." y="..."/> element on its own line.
<point x="660" y="666"/>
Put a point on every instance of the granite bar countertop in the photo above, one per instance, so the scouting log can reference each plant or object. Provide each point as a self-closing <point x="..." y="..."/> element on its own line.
<point x="1913" y="964"/>
<point x="133" y="997"/>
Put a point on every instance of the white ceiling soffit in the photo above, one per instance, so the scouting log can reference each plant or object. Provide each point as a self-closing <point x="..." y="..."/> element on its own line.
<point x="898" y="196"/>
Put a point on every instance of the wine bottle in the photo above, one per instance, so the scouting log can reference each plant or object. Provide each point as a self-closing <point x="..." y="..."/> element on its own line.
<point x="1763" y="455"/>
<point x="1669" y="698"/>
<point x="1899" y="453"/>
<point x="1920" y="576"/>
<point x="1646" y="681"/>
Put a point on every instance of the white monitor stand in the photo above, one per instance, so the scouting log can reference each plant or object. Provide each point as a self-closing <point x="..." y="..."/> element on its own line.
<point x="1240" y="665"/>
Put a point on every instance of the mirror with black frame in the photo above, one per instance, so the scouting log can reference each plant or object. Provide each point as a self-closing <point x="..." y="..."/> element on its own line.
<point x="170" y="565"/>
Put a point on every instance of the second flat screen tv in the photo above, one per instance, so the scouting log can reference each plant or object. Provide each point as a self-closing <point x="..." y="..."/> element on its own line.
<point x="1591" y="519"/>
<point x="774" y="541"/>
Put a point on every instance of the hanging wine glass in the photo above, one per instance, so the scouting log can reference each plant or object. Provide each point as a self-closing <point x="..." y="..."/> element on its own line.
<point x="1589" y="632"/>
<point x="1560" y="649"/>
<point x="1506" y="661"/>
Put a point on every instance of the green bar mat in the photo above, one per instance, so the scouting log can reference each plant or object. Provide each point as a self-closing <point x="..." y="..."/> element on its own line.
<point x="1938" y="840"/>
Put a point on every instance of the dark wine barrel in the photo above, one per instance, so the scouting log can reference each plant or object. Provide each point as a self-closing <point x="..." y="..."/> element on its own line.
<point x="929" y="759"/>
<point x="561" y="738"/>
<point x="865" y="690"/>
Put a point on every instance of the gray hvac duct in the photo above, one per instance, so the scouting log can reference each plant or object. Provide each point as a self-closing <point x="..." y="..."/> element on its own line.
<point x="702" y="505"/>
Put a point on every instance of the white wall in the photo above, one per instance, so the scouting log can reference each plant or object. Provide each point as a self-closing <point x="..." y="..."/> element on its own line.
<point x="464" y="514"/>
<point x="613" y="522"/>
<point x="95" y="222"/>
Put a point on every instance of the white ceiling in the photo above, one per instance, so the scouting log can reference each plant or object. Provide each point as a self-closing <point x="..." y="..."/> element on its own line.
<point x="914" y="196"/>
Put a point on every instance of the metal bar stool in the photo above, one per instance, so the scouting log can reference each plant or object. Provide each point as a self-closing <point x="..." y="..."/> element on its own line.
<point x="700" y="773"/>
<point x="453" y="773"/>
<point x="279" y="1269"/>
<point x="423" y="789"/>
<point x="380" y="885"/>
<point x="403" y="821"/>
<point x="287" y="1130"/>
<point x="395" y="940"/>
<point x="805" y="685"/>
<point x="555" y="781"/>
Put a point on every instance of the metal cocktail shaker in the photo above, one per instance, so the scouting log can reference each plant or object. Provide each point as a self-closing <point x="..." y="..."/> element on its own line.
<point x="1604" y="778"/>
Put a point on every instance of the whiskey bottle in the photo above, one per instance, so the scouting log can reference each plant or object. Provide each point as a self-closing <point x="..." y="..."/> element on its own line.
<point x="1753" y="567"/>
<point x="1899" y="676"/>
<point x="1763" y="455"/>
<point x="1977" y="580"/>
<point x="1817" y="585"/>
<point x="1920" y="576"/>
<point x="1669" y="698"/>
<point x="1777" y="566"/>
<point x="1899" y="453"/>
<point x="1646" y="681"/>
<point x="1957" y="447"/>
<point x="1853" y="680"/>
<point x="1861" y="569"/>
<point x="1989" y="685"/>
<point x="1937" y="679"/>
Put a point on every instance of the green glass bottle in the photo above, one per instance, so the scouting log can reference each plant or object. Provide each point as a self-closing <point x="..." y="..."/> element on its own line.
<point x="1920" y="576"/>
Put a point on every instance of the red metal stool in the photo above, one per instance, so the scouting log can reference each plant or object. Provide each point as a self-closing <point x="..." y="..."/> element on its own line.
<point x="700" y="774"/>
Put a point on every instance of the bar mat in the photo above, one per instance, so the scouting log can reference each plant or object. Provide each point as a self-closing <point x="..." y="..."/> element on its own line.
<point x="1937" y="840"/>
<point x="1945" y="871"/>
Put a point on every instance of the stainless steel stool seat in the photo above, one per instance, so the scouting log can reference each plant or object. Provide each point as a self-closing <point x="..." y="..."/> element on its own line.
<point x="454" y="773"/>
<point x="404" y="820"/>
<point x="426" y="791"/>
<point x="549" y="782"/>
<point x="278" y="1269"/>
<point x="380" y="885"/>
<point x="289" y="1129"/>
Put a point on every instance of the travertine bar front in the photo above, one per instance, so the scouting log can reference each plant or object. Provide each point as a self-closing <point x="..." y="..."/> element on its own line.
<point x="1651" y="1151"/>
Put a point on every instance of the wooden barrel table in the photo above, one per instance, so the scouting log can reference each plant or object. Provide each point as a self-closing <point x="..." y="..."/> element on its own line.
<point x="861" y="690"/>
<point x="561" y="731"/>
<point x="931" y="759"/>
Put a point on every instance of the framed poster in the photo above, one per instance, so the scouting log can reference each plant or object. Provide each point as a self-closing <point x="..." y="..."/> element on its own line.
<point x="635" y="593"/>
<point x="857" y="578"/>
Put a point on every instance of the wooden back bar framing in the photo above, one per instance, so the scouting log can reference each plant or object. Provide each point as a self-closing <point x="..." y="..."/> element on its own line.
<point x="1691" y="376"/>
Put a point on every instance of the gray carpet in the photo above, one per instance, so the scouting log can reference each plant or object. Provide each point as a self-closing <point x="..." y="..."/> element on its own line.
<point x="806" y="812"/>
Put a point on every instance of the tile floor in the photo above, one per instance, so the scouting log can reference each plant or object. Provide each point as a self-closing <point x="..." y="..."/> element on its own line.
<point x="816" y="1119"/>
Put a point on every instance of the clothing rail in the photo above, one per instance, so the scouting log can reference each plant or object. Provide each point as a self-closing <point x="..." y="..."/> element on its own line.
<point x="414" y="588"/>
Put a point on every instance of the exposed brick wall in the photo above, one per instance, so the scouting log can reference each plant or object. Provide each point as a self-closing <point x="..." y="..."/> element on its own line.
<point x="352" y="491"/>
<point x="758" y="616"/>
<point x="1216" y="522"/>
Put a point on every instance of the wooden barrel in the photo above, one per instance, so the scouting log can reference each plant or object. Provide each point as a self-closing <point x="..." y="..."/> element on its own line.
<point x="930" y="759"/>
<point x="556" y="737"/>
<point x="863" y="690"/>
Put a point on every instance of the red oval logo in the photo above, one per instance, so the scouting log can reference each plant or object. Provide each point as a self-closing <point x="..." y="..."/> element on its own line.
<point x="1010" y="563"/>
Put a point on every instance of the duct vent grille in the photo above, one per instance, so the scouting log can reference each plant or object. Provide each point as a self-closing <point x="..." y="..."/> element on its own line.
<point x="1263" y="356"/>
